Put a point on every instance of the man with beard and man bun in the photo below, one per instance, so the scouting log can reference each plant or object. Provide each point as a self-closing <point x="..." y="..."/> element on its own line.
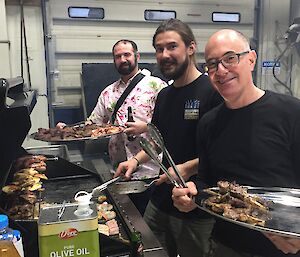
<point x="141" y="99"/>
<point x="177" y="111"/>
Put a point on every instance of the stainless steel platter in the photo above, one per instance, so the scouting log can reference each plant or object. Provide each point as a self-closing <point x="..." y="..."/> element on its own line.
<point x="61" y="151"/>
<point x="144" y="172"/>
<point x="132" y="186"/>
<point x="57" y="139"/>
<point x="140" y="181"/>
<point x="285" y="212"/>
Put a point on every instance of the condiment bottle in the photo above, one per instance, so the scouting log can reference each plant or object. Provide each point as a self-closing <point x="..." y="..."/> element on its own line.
<point x="18" y="243"/>
<point x="130" y="119"/>
<point x="137" y="246"/>
<point x="83" y="199"/>
<point x="7" y="248"/>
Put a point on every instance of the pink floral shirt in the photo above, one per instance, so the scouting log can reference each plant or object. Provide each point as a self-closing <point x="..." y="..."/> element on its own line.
<point x="142" y="100"/>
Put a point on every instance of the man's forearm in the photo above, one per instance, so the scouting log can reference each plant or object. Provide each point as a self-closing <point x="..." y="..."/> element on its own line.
<point x="142" y="157"/>
<point x="191" y="166"/>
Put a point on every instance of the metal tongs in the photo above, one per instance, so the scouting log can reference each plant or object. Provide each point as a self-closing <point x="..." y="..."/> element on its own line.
<point x="150" y="149"/>
<point x="97" y="189"/>
<point x="76" y="125"/>
<point x="103" y="186"/>
<point x="61" y="210"/>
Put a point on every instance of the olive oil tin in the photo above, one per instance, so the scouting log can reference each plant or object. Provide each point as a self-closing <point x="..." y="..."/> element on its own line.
<point x="62" y="233"/>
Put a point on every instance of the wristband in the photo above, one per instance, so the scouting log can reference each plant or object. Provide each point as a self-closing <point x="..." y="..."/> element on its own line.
<point x="138" y="162"/>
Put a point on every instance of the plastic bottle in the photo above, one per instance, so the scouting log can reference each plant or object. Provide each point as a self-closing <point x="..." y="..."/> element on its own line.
<point x="137" y="246"/>
<point x="7" y="248"/>
<point x="83" y="199"/>
<point x="130" y="119"/>
<point x="17" y="240"/>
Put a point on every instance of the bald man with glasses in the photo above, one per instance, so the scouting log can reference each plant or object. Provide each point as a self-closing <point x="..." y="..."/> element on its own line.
<point x="253" y="139"/>
<point x="227" y="60"/>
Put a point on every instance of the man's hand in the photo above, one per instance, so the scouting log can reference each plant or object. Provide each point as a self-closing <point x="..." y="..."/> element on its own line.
<point x="181" y="168"/>
<point x="186" y="170"/>
<point x="135" y="128"/>
<point x="126" y="169"/>
<point x="182" y="197"/>
<point x="285" y="244"/>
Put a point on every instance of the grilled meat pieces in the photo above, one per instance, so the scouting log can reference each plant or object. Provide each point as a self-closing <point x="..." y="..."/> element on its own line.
<point x="233" y="201"/>
<point x="76" y="132"/>
<point x="30" y="161"/>
<point x="21" y="193"/>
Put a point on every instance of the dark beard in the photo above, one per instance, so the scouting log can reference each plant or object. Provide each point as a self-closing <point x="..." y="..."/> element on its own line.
<point x="177" y="73"/>
<point x="126" y="70"/>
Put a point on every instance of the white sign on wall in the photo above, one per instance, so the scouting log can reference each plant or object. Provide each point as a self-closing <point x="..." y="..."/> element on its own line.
<point x="267" y="68"/>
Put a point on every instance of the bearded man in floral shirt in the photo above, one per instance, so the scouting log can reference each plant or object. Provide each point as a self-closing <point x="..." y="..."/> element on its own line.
<point x="141" y="99"/>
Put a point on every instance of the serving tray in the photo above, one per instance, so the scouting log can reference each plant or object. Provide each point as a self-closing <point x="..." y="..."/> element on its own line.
<point x="58" y="137"/>
<point x="284" y="212"/>
<point x="140" y="181"/>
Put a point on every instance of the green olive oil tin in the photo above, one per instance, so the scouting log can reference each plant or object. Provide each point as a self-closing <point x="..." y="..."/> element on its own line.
<point x="62" y="233"/>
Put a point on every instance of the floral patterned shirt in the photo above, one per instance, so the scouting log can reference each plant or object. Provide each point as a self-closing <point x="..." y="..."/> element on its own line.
<point x="142" y="100"/>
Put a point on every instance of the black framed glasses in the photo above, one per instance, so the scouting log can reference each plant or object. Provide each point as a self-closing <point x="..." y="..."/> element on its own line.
<point x="228" y="60"/>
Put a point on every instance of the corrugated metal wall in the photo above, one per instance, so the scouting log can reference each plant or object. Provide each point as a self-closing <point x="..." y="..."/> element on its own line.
<point x="75" y="41"/>
<point x="72" y="42"/>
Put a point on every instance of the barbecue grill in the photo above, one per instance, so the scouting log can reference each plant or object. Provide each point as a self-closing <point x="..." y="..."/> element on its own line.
<point x="65" y="178"/>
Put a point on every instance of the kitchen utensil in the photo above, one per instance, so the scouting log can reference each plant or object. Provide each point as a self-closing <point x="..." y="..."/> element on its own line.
<point x="105" y="185"/>
<point x="52" y="158"/>
<point x="158" y="140"/>
<point x="61" y="210"/>
<point x="149" y="149"/>
<point x="76" y="124"/>
<point x="96" y="190"/>
<point x="284" y="212"/>
<point x="131" y="187"/>
<point x="75" y="138"/>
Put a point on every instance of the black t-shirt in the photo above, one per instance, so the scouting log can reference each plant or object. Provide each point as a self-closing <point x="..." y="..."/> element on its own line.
<point x="176" y="115"/>
<point x="257" y="145"/>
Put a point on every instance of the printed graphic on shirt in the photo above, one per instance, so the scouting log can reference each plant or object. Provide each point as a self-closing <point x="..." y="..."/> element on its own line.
<point x="192" y="109"/>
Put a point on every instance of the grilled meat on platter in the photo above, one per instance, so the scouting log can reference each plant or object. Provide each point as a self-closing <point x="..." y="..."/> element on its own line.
<point x="233" y="201"/>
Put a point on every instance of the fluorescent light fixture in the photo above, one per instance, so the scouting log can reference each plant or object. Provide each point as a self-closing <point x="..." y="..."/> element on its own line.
<point x="159" y="15"/>
<point x="226" y="17"/>
<point x="86" y="12"/>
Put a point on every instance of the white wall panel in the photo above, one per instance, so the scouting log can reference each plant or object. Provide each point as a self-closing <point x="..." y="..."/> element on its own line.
<point x="295" y="9"/>
<point x="35" y="46"/>
<point x="190" y="11"/>
<point x="272" y="43"/>
<point x="5" y="66"/>
<point x="70" y="39"/>
<point x="34" y="34"/>
<point x="75" y="41"/>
